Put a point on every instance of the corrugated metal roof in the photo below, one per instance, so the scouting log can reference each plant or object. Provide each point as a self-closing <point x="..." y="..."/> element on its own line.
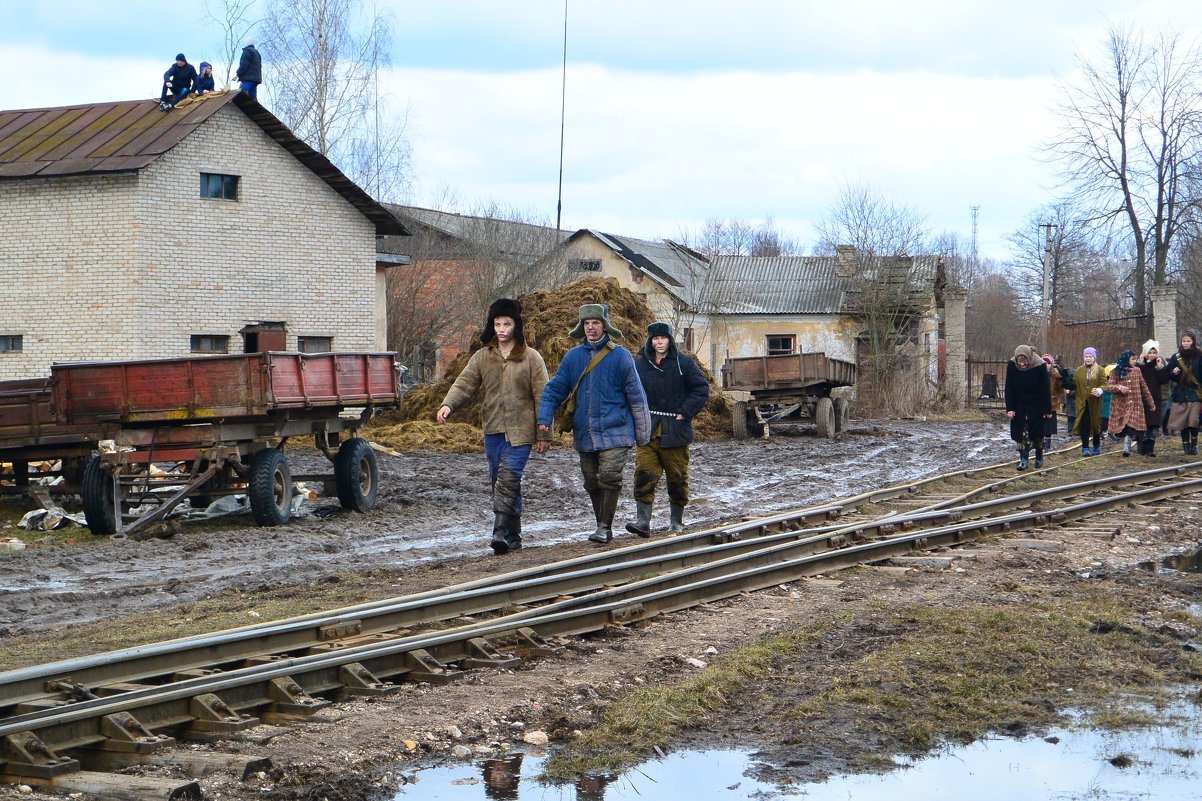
<point x="525" y="241"/>
<point x="680" y="270"/>
<point x="130" y="134"/>
<point x="773" y="285"/>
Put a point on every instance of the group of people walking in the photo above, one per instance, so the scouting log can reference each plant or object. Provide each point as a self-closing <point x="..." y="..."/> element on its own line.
<point x="1126" y="399"/>
<point x="613" y="401"/>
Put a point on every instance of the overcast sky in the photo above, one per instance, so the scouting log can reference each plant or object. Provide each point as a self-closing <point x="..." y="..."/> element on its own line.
<point x="678" y="111"/>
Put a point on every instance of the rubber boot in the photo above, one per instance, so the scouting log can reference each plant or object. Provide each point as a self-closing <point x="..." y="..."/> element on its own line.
<point x="1126" y="446"/>
<point x="513" y="532"/>
<point x="642" y="522"/>
<point x="1152" y="448"/>
<point x="1022" y="459"/>
<point x="1193" y="443"/>
<point x="1185" y="442"/>
<point x="607" y="504"/>
<point x="676" y="511"/>
<point x="1038" y="458"/>
<point x="1047" y="443"/>
<point x="499" y="528"/>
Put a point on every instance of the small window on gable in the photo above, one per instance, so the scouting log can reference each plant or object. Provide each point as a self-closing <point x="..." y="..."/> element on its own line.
<point x="588" y="265"/>
<point x="210" y="343"/>
<point x="215" y="186"/>
<point x="781" y="344"/>
<point x="315" y="344"/>
<point x="11" y="343"/>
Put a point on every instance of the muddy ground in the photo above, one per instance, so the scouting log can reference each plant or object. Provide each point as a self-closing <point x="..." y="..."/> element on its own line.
<point x="431" y="529"/>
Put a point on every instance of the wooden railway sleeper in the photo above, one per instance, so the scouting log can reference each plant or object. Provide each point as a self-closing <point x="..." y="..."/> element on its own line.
<point x="23" y="754"/>
<point x="212" y="715"/>
<point x="489" y="656"/>
<point x="423" y="666"/>
<point x="358" y="680"/>
<point x="123" y="732"/>
<point x="289" y="698"/>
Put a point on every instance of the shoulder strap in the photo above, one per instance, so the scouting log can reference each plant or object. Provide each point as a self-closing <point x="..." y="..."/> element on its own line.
<point x="597" y="357"/>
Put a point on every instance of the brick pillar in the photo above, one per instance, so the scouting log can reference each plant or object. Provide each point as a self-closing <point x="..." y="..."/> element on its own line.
<point x="955" y="345"/>
<point x="1164" y="318"/>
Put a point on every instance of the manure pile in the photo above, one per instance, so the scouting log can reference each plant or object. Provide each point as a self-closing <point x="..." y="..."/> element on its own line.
<point x="548" y="317"/>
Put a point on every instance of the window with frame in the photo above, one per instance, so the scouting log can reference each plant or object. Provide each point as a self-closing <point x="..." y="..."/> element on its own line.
<point x="11" y="343"/>
<point x="315" y="344"/>
<point x="588" y="265"/>
<point x="210" y="343"/>
<point x="781" y="344"/>
<point x="215" y="186"/>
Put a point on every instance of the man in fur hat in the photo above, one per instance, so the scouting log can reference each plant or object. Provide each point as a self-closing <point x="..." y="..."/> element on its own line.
<point x="610" y="413"/>
<point x="676" y="392"/>
<point x="511" y="376"/>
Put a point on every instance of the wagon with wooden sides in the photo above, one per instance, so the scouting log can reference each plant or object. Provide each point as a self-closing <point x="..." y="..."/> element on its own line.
<point x="29" y="434"/>
<point x="792" y="388"/>
<point x="205" y="427"/>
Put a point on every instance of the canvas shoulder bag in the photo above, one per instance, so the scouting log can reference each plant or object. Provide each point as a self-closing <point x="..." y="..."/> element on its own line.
<point x="569" y="405"/>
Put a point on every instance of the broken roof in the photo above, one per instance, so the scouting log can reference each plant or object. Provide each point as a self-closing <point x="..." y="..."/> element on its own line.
<point x="128" y="135"/>
<point x="678" y="268"/>
<point x="520" y="240"/>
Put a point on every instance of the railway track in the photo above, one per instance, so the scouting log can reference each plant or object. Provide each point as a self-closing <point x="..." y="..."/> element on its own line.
<point x="61" y="723"/>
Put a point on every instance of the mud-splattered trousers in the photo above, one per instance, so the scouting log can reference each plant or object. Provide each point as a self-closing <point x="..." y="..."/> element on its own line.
<point x="505" y="466"/>
<point x="652" y="461"/>
<point x="603" y="470"/>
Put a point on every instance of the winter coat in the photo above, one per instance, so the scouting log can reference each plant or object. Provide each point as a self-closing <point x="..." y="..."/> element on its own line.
<point x="1083" y="384"/>
<point x="512" y="389"/>
<point x="1156" y="378"/>
<point x="674" y="387"/>
<point x="1028" y="391"/>
<point x="180" y="78"/>
<point x="1070" y="392"/>
<point x="1056" y="389"/>
<point x="1185" y="390"/>
<point x="1129" y="409"/>
<point x="250" y="66"/>
<point x="204" y="83"/>
<point x="611" y="407"/>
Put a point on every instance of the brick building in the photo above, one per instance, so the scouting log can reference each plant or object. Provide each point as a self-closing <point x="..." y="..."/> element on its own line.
<point x="130" y="233"/>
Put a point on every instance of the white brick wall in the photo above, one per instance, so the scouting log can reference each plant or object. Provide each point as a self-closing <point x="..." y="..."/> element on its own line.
<point x="129" y="266"/>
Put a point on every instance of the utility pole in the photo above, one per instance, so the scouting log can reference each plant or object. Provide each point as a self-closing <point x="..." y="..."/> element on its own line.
<point x="563" y="110"/>
<point x="1045" y="305"/>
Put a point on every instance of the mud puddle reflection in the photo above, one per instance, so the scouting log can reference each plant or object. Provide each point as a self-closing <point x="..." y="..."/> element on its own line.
<point x="1162" y="763"/>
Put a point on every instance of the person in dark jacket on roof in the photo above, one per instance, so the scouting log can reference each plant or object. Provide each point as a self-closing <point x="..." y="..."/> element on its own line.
<point x="178" y="81"/>
<point x="250" y="70"/>
<point x="676" y="393"/>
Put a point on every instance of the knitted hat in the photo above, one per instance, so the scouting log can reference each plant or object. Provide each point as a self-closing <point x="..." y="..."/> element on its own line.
<point x="1090" y="352"/>
<point x="1047" y="357"/>
<point x="504" y="307"/>
<point x="659" y="329"/>
<point x="1151" y="344"/>
<point x="180" y="57"/>
<point x="595" y="311"/>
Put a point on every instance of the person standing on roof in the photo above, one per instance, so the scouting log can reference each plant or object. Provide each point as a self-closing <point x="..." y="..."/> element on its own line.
<point x="608" y="410"/>
<point x="676" y="392"/>
<point x="178" y="81"/>
<point x="250" y="70"/>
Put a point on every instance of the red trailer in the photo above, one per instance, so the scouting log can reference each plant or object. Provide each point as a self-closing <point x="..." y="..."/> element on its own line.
<point x="29" y="433"/>
<point x="202" y="427"/>
<point x="793" y="387"/>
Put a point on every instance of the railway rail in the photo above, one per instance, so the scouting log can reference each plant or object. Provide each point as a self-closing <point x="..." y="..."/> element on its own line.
<point x="69" y="718"/>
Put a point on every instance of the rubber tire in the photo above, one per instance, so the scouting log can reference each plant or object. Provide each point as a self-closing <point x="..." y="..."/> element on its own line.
<point x="97" y="496"/>
<point x="842" y="415"/>
<point x="270" y="488"/>
<point x="356" y="475"/>
<point x="824" y="417"/>
<point x="739" y="420"/>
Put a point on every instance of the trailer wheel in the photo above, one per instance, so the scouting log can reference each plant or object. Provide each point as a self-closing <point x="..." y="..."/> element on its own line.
<point x="356" y="475"/>
<point x="739" y="420"/>
<point x="97" y="496"/>
<point x="842" y="415"/>
<point x="824" y="417"/>
<point x="270" y="488"/>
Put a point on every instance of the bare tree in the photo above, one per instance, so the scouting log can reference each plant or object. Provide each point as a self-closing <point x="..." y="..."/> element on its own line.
<point x="235" y="19"/>
<point x="1000" y="319"/>
<point x="328" y="93"/>
<point x="1132" y="139"/>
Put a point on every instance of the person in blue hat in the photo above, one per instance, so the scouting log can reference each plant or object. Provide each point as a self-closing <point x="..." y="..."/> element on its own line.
<point x="178" y="82"/>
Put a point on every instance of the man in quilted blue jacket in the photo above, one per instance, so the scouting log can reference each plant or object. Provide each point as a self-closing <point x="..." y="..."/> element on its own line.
<point x="609" y="411"/>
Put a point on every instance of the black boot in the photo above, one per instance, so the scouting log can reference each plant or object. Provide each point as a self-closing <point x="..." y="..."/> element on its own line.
<point x="1193" y="442"/>
<point x="607" y="504"/>
<point x="500" y="527"/>
<point x="1047" y="443"/>
<point x="676" y="511"/>
<point x="1150" y="448"/>
<point x="513" y="532"/>
<point x="1022" y="458"/>
<point x="1185" y="442"/>
<point x="642" y="523"/>
<point x="1038" y="458"/>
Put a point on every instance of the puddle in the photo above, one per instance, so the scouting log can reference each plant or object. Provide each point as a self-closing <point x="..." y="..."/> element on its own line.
<point x="1163" y="763"/>
<point x="1188" y="562"/>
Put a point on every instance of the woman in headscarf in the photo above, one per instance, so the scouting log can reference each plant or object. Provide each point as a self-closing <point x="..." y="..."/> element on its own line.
<point x="1028" y="403"/>
<point x="1156" y="376"/>
<point x="1185" y="371"/>
<point x="1088" y="380"/>
<point x="1130" y="402"/>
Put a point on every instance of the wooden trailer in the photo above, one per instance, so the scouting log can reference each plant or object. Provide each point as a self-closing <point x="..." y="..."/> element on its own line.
<point x="209" y="426"/>
<point x="791" y="388"/>
<point x="29" y="434"/>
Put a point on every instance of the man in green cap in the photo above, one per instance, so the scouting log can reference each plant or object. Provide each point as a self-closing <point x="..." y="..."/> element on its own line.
<point x="610" y="413"/>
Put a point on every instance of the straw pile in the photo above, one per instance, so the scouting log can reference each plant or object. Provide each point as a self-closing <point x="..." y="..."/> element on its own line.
<point x="548" y="317"/>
